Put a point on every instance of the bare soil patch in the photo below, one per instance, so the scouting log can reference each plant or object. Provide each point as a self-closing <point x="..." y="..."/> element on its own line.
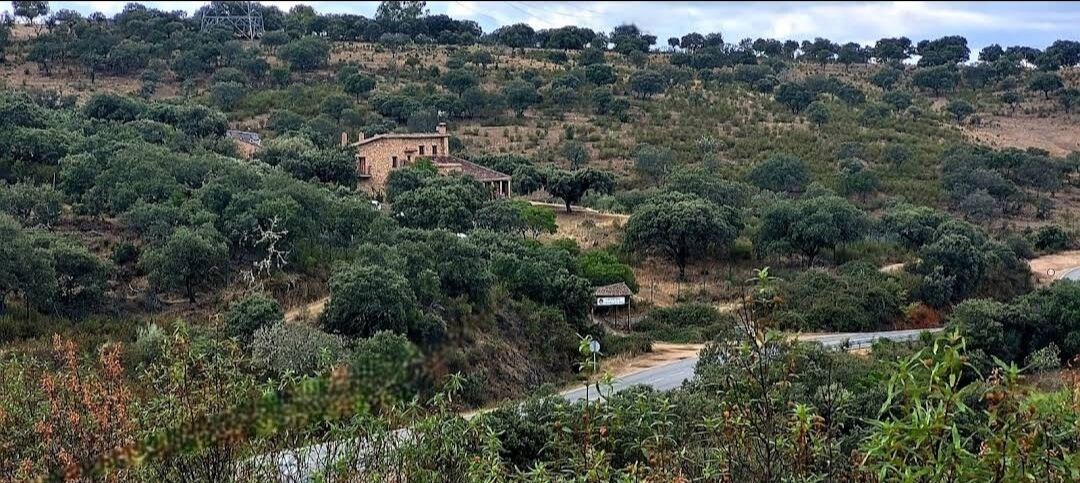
<point x="1059" y="135"/>
<point x="1048" y="268"/>
<point x="589" y="228"/>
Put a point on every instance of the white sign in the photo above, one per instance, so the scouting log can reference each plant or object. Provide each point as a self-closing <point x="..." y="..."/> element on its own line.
<point x="610" y="301"/>
<point x="594" y="346"/>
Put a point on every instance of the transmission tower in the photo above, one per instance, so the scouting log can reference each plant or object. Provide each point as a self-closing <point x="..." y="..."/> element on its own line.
<point x="245" y="18"/>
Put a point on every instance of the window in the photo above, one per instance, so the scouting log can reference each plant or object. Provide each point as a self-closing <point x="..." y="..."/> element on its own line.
<point x="408" y="159"/>
<point x="434" y="150"/>
<point x="393" y="161"/>
<point x="362" y="161"/>
<point x="421" y="149"/>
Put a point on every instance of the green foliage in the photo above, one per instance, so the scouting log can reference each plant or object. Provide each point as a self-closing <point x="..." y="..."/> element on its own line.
<point x="654" y="162"/>
<point x="571" y="186"/>
<point x="366" y="299"/>
<point x="448" y="203"/>
<point x="647" y="83"/>
<point x="601" y="267"/>
<point x="305" y="54"/>
<point x="681" y="228"/>
<point x="687" y="323"/>
<point x="809" y="226"/>
<point x="387" y="364"/>
<point x="520" y="95"/>
<point x="857" y="299"/>
<point x="818" y="113"/>
<point x="780" y="173"/>
<point x="31" y="205"/>
<point x="960" y="109"/>
<point x="283" y="349"/>
<point x="250" y="314"/>
<point x="188" y="260"/>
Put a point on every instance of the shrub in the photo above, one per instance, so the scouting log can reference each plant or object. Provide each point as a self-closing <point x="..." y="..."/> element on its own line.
<point x="286" y="348"/>
<point x="252" y="313"/>
<point x="685" y="323"/>
<point x="387" y="364"/>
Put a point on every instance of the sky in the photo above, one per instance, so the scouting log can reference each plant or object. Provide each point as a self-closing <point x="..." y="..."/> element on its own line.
<point x="1034" y="24"/>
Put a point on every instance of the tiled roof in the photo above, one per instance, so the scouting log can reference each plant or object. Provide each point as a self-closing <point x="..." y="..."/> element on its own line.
<point x="614" y="290"/>
<point x="417" y="135"/>
<point x="481" y="173"/>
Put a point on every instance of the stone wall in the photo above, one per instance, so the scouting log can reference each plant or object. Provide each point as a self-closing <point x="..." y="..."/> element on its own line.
<point x="376" y="158"/>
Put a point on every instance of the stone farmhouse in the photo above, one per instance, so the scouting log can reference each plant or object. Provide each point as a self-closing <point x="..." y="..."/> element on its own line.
<point x="378" y="155"/>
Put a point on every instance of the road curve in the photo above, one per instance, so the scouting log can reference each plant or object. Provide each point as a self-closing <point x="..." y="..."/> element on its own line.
<point x="670" y="376"/>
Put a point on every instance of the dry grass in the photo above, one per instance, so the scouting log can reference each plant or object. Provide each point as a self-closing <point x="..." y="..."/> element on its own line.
<point x="589" y="228"/>
<point x="1058" y="134"/>
<point x="1048" y="268"/>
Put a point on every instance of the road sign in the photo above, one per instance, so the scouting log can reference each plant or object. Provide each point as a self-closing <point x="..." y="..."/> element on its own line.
<point x="594" y="346"/>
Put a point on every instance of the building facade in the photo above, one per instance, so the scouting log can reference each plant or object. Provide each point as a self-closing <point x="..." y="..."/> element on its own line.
<point x="378" y="155"/>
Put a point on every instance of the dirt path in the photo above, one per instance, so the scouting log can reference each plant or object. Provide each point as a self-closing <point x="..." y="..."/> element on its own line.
<point x="306" y="313"/>
<point x="1051" y="267"/>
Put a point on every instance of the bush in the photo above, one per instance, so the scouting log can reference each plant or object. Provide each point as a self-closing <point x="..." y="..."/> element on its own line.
<point x="298" y="349"/>
<point x="633" y="344"/>
<point x="252" y="313"/>
<point x="686" y="323"/>
<point x="387" y="364"/>
<point x="1051" y="238"/>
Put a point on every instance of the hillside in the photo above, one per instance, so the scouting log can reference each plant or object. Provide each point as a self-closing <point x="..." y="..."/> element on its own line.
<point x="179" y="300"/>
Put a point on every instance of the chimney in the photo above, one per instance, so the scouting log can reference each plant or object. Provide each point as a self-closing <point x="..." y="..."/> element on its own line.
<point x="344" y="139"/>
<point x="441" y="128"/>
<point x="360" y="136"/>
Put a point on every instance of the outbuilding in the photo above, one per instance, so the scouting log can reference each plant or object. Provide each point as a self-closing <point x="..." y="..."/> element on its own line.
<point x="611" y="297"/>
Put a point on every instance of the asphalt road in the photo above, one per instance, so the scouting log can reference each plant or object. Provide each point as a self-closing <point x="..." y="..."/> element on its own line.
<point x="670" y="376"/>
<point x="304" y="464"/>
<point x="1071" y="274"/>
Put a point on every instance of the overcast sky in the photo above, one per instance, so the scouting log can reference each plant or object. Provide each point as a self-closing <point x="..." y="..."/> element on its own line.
<point x="1034" y="24"/>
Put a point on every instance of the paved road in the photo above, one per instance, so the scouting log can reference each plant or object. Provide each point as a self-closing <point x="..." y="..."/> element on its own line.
<point x="1071" y="274"/>
<point x="670" y="376"/>
<point x="303" y="464"/>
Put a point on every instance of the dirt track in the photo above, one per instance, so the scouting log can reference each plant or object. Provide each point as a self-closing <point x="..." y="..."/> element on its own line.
<point x="1051" y="267"/>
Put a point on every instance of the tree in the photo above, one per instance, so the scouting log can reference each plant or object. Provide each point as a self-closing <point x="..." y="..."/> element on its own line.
<point x="681" y="228"/>
<point x="520" y="95"/>
<point x="32" y="205"/>
<point x="952" y="266"/>
<point x="306" y="54"/>
<point x="446" y="203"/>
<point x="809" y="226"/>
<point x="81" y="277"/>
<point x="600" y="74"/>
<point x="574" y="152"/>
<point x="818" y="113"/>
<point x="601" y="267"/>
<point x="1046" y="82"/>
<point x="946" y="51"/>
<point x="517" y="36"/>
<point x="856" y="179"/>
<point x="654" y="162"/>
<point x="227" y="95"/>
<point x="937" y="79"/>
<point x="991" y="53"/>
<point x="1069" y="99"/>
<point x="25" y="269"/>
<point x="852" y="53"/>
<point x="571" y="186"/>
<point x="250" y="314"/>
<point x="886" y="77"/>
<point x="793" y="96"/>
<point x="646" y="83"/>
<point x="188" y="260"/>
<point x="29" y="9"/>
<point x="459" y="80"/>
<point x="358" y="84"/>
<point x="780" y="173"/>
<point x="692" y="41"/>
<point x="960" y="109"/>
<point x="396" y="12"/>
<point x="892" y="50"/>
<point x="366" y="299"/>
